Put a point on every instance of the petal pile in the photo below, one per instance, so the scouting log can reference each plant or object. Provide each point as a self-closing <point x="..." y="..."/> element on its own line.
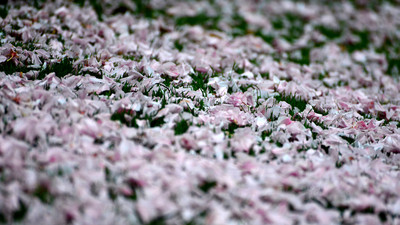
<point x="199" y="112"/>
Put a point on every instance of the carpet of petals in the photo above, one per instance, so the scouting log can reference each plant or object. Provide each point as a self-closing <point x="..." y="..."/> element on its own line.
<point x="200" y="112"/>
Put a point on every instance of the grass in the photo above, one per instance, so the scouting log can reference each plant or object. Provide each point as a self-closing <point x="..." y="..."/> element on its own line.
<point x="238" y="69"/>
<point x="349" y="139"/>
<point x="43" y="193"/>
<point x="268" y="38"/>
<point x="81" y="3"/>
<point x="329" y="32"/>
<point x="292" y="26"/>
<point x="98" y="8"/>
<point x="295" y="102"/>
<point x="122" y="114"/>
<point x="390" y="48"/>
<point x="96" y="5"/>
<point x="301" y="56"/>
<point x="144" y="8"/>
<point x="181" y="127"/>
<point x="231" y="129"/>
<point x="61" y="68"/>
<point x="265" y="134"/>
<point x="206" y="186"/>
<point x="201" y="105"/>
<point x="98" y="75"/>
<point x="244" y="88"/>
<point x="202" y="19"/>
<point x="3" y="11"/>
<point x="308" y="126"/>
<point x="107" y="93"/>
<point x="161" y="95"/>
<point x="178" y="45"/>
<point x="361" y="44"/>
<point x="28" y="46"/>
<point x="320" y="111"/>
<point x="278" y="144"/>
<point x="239" y="26"/>
<point x="200" y="82"/>
<point x="320" y="124"/>
<point x="162" y="220"/>
<point x="17" y="215"/>
<point x="135" y="57"/>
<point x="127" y="87"/>
<point x="9" y="67"/>
<point x="167" y="80"/>
<point x="265" y="75"/>
<point x="373" y="5"/>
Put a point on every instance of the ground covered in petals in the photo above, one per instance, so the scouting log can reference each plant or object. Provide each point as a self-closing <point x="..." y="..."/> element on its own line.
<point x="200" y="112"/>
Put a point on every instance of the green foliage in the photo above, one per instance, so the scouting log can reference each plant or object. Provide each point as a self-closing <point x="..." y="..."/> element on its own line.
<point x="3" y="219"/>
<point x="127" y="87"/>
<point x="361" y="44"/>
<point x="178" y="45"/>
<point x="301" y="56"/>
<point x="181" y="127"/>
<point x="302" y="149"/>
<point x="107" y="93"/>
<point x="200" y="82"/>
<point x="144" y="8"/>
<point x="278" y="23"/>
<point x="391" y="48"/>
<point x="231" y="129"/>
<point x="9" y="67"/>
<point x="349" y="139"/>
<point x="3" y="11"/>
<point x="156" y="122"/>
<point x="244" y="88"/>
<point x="121" y="9"/>
<point x="197" y="220"/>
<point x="254" y="62"/>
<point x="265" y="133"/>
<point x="308" y="126"/>
<point x="160" y="220"/>
<point x="38" y="3"/>
<point x="330" y="32"/>
<point x="320" y="111"/>
<point x="81" y="3"/>
<point x="374" y="5"/>
<point x="167" y="80"/>
<point x="320" y="124"/>
<point x="112" y="193"/>
<point x="265" y="75"/>
<point x="206" y="186"/>
<point x="122" y="114"/>
<point x="291" y="26"/>
<point x="98" y="8"/>
<point x="201" y="105"/>
<point x="134" y="186"/>
<point x="62" y="68"/>
<point x="159" y="93"/>
<point x="278" y="144"/>
<point x="28" y="46"/>
<point x="322" y="76"/>
<point x="20" y="214"/>
<point x="43" y="193"/>
<point x="339" y="164"/>
<point x="268" y="38"/>
<point x="96" y="5"/>
<point x="133" y="57"/>
<point x="202" y="19"/>
<point x="239" y="26"/>
<point x="238" y="69"/>
<point x="293" y="101"/>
